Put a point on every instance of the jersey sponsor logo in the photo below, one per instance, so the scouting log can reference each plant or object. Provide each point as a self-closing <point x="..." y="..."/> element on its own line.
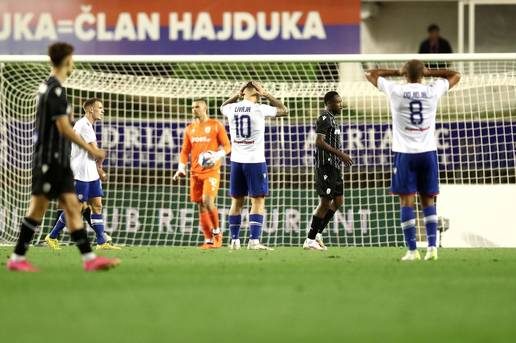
<point x="417" y="128"/>
<point x="243" y="141"/>
<point x="200" y="139"/>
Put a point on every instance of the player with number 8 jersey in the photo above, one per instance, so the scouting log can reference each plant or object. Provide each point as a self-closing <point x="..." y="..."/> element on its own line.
<point x="413" y="108"/>
<point x="248" y="167"/>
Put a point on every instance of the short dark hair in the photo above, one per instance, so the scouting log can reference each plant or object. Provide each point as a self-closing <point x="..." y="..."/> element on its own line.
<point x="90" y="102"/>
<point x="432" y="28"/>
<point x="329" y="96"/>
<point x="58" y="52"/>
<point x="414" y="69"/>
<point x="200" y="99"/>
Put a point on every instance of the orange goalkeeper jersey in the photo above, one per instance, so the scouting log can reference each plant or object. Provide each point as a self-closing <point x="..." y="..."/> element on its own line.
<point x="200" y="137"/>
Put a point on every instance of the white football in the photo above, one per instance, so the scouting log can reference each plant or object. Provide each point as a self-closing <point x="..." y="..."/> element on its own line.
<point x="206" y="159"/>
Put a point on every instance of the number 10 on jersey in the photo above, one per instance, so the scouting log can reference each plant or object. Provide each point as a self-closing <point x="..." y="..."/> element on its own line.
<point x="242" y="126"/>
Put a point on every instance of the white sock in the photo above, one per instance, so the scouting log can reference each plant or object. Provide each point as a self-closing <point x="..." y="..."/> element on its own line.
<point x="254" y="241"/>
<point x="88" y="256"/>
<point x="216" y="231"/>
<point x="208" y="241"/>
<point x="17" y="258"/>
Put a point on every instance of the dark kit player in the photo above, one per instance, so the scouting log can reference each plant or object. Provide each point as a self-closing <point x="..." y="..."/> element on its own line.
<point x="52" y="177"/>
<point x="328" y="170"/>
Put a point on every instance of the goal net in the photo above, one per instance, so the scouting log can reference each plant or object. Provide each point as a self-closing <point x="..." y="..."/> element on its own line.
<point x="148" y="104"/>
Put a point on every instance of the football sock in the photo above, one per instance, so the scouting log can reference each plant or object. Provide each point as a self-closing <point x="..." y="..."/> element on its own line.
<point x="87" y="216"/>
<point x="27" y="229"/>
<point x="80" y="237"/>
<point x="316" y="227"/>
<point x="327" y="218"/>
<point x="97" y="224"/>
<point x="431" y="225"/>
<point x="58" y="215"/>
<point x="255" y="225"/>
<point x="214" y="215"/>
<point x="206" y="225"/>
<point x="58" y="227"/>
<point x="234" y="225"/>
<point x="408" y="224"/>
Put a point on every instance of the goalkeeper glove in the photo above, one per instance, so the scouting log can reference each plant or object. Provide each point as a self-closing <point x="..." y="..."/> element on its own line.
<point x="181" y="171"/>
<point x="218" y="155"/>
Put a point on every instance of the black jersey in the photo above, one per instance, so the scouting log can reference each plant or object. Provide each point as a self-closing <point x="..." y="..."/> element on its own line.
<point x="327" y="126"/>
<point x="51" y="148"/>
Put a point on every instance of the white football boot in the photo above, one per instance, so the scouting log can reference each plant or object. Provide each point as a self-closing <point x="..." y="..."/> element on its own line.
<point x="312" y="244"/>
<point x="319" y="239"/>
<point x="431" y="254"/>
<point x="234" y="244"/>
<point x="254" y="244"/>
<point x="411" y="255"/>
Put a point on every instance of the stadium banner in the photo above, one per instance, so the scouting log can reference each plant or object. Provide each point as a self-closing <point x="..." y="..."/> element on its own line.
<point x="154" y="144"/>
<point x="181" y="27"/>
<point x="174" y="219"/>
<point x="461" y="145"/>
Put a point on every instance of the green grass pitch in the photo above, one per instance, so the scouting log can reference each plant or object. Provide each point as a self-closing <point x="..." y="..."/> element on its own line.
<point x="287" y="295"/>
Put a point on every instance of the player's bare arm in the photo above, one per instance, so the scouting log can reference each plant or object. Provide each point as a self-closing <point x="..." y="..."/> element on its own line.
<point x="282" y="109"/>
<point x="373" y="75"/>
<point x="235" y="97"/>
<point x="321" y="143"/>
<point x="453" y="77"/>
<point x="100" y="170"/>
<point x="64" y="128"/>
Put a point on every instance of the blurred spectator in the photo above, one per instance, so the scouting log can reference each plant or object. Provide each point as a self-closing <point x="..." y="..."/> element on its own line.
<point x="434" y="44"/>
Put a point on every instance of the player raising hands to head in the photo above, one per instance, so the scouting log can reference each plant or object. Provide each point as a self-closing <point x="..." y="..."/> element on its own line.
<point x="413" y="109"/>
<point x="248" y="167"/>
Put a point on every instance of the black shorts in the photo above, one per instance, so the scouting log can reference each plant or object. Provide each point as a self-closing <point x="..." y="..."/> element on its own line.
<point x="52" y="180"/>
<point x="328" y="181"/>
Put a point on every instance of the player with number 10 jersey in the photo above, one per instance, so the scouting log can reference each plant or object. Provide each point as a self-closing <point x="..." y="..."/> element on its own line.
<point x="248" y="168"/>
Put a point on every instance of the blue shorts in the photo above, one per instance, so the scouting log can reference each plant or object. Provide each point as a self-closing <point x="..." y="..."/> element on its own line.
<point x="248" y="179"/>
<point x="88" y="189"/>
<point x="415" y="173"/>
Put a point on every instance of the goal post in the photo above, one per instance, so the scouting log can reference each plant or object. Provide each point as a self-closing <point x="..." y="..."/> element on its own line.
<point x="147" y="101"/>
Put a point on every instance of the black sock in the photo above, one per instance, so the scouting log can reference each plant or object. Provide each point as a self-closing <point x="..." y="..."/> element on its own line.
<point x="87" y="216"/>
<point x="327" y="218"/>
<point x="80" y="237"/>
<point x="317" y="224"/>
<point x="27" y="229"/>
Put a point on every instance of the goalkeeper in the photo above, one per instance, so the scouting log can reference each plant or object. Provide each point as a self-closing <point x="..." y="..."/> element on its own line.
<point x="207" y="143"/>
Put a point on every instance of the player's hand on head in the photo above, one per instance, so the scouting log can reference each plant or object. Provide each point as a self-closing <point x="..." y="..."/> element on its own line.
<point x="346" y="159"/>
<point x="259" y="88"/>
